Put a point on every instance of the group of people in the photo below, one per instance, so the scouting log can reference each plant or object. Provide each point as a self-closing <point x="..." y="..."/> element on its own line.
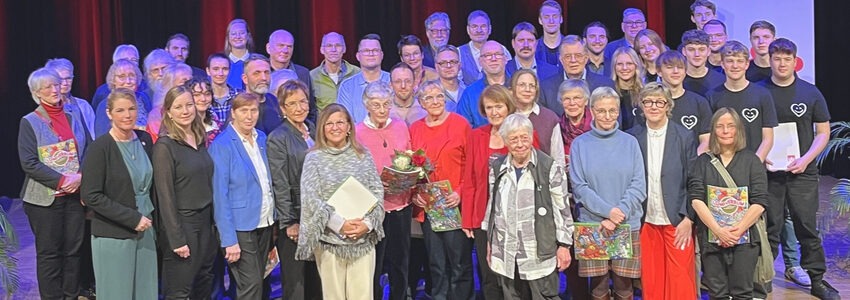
<point x="184" y="167"/>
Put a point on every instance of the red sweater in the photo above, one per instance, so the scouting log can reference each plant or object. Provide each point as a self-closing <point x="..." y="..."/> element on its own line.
<point x="474" y="195"/>
<point x="445" y="145"/>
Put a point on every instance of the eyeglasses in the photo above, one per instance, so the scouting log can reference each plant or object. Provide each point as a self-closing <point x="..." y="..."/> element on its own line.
<point x="331" y="46"/>
<point x="125" y="77"/>
<point x="67" y="79"/>
<point x="573" y="99"/>
<point x="650" y="103"/>
<point x="410" y="56"/>
<point x="574" y="56"/>
<point x="477" y="26"/>
<point x="519" y="140"/>
<point x="610" y="113"/>
<point x="370" y="51"/>
<point x="377" y="106"/>
<point x="448" y="63"/>
<point x="299" y="103"/>
<point x="496" y="55"/>
<point x="438" y="31"/>
<point x="434" y="99"/>
<point x="337" y="124"/>
<point x="634" y="23"/>
<point x="527" y="86"/>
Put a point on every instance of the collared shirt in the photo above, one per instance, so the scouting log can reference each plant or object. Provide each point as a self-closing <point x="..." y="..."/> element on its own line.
<point x="600" y="69"/>
<point x="368" y="122"/>
<point x="452" y="98"/>
<point x="350" y="95"/>
<point x="266" y="210"/>
<point x="583" y="75"/>
<point x="220" y="107"/>
<point x="234" y="58"/>
<point x="655" y="212"/>
<point x="556" y="141"/>
<point x="533" y="67"/>
<point x="514" y="243"/>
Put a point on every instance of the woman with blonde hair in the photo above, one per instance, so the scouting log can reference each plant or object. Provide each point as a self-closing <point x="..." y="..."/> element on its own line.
<point x="628" y="75"/>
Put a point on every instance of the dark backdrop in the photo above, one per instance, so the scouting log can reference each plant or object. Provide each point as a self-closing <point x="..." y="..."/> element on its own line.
<point x="86" y="32"/>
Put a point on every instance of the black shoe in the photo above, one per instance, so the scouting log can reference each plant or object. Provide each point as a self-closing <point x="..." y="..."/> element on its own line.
<point x="823" y="290"/>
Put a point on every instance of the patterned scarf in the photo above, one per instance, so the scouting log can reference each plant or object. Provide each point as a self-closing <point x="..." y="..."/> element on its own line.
<point x="569" y="131"/>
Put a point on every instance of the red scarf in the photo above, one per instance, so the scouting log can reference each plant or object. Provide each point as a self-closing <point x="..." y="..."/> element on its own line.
<point x="569" y="131"/>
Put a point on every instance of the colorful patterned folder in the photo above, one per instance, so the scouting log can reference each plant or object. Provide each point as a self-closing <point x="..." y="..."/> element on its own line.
<point x="592" y="242"/>
<point x="728" y="206"/>
<point x="442" y="218"/>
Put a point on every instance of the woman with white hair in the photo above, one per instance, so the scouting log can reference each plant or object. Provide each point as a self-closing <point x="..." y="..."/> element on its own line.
<point x="383" y="136"/>
<point x="51" y="186"/>
<point x="72" y="104"/>
<point x="609" y="185"/>
<point x="528" y="222"/>
<point x="123" y="74"/>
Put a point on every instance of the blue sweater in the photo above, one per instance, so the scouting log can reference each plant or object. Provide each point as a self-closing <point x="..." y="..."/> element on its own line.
<point x="607" y="171"/>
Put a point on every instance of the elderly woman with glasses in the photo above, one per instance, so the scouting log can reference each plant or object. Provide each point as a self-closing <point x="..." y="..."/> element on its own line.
<point x="288" y="144"/>
<point x="123" y="74"/>
<point x="51" y="185"/>
<point x="529" y="225"/>
<point x="344" y="249"/>
<point x="609" y="184"/>
<point x="444" y="136"/>
<point x="383" y="136"/>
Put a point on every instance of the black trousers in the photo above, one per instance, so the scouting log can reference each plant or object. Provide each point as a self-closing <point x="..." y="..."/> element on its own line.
<point x="418" y="268"/>
<point x="58" y="231"/>
<point x="191" y="277"/>
<point x="392" y="254"/>
<point x="251" y="266"/>
<point x="450" y="257"/>
<point x="490" y="284"/>
<point x="545" y="288"/>
<point x="728" y="272"/>
<point x="798" y="192"/>
<point x="299" y="279"/>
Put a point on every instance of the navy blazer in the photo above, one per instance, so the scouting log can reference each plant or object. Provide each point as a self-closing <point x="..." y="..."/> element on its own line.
<point x="237" y="195"/>
<point x="549" y="89"/>
<point x="544" y="70"/>
<point x="680" y="153"/>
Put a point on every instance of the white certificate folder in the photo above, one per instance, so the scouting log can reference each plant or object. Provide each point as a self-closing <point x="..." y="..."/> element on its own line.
<point x="352" y="200"/>
<point x="786" y="146"/>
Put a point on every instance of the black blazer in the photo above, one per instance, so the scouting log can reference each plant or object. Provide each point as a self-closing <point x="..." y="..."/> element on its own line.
<point x="286" y="150"/>
<point x="549" y="89"/>
<point x="680" y="154"/>
<point x="107" y="188"/>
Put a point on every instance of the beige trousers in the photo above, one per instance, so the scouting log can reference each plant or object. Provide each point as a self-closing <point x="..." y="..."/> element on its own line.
<point x="346" y="279"/>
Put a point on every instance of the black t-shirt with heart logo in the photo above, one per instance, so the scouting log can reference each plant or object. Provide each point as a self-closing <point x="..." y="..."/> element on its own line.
<point x="704" y="84"/>
<point x="801" y="103"/>
<point x="693" y="112"/>
<point x="755" y="106"/>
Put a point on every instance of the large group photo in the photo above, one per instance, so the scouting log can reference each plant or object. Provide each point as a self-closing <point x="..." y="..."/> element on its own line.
<point x="403" y="150"/>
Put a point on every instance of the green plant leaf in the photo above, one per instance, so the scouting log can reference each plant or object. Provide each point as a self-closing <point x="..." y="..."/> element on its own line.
<point x="839" y="196"/>
<point x="838" y="143"/>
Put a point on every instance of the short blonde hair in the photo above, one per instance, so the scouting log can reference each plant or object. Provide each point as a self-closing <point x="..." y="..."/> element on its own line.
<point x="740" y="135"/>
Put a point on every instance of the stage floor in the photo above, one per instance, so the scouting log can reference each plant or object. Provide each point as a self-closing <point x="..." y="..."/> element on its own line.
<point x="836" y="244"/>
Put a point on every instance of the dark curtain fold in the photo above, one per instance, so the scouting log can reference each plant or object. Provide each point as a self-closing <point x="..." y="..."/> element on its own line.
<point x="86" y="32"/>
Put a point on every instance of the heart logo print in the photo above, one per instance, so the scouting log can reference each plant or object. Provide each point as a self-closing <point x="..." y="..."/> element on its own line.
<point x="750" y="114"/>
<point x="798" y="109"/>
<point x="689" y="121"/>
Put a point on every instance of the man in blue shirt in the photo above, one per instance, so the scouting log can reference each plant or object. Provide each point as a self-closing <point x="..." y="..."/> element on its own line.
<point x="492" y="61"/>
<point x="350" y="93"/>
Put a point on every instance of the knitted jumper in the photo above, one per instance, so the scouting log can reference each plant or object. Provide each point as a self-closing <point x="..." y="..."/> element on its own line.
<point x="324" y="171"/>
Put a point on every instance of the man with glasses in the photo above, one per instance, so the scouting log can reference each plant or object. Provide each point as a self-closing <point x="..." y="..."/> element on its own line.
<point x="438" y="30"/>
<point x="717" y="37"/>
<point x="331" y="71"/>
<point x="574" y="56"/>
<point x="524" y="38"/>
<point x="370" y="55"/>
<point x="404" y="106"/>
<point x="492" y="60"/>
<point x="478" y="28"/>
<point x="280" y="47"/>
<point x="448" y="68"/>
<point x="633" y="22"/>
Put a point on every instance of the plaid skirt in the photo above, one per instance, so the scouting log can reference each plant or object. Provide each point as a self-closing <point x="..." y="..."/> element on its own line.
<point x="629" y="268"/>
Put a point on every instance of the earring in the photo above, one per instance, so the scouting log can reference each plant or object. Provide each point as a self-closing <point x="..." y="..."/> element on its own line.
<point x="348" y="133"/>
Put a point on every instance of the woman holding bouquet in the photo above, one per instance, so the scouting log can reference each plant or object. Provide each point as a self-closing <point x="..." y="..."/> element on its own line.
<point x="287" y="146"/>
<point x="444" y="136"/>
<point x="607" y="176"/>
<point x="383" y="136"/>
<point x="344" y="250"/>
<point x="728" y="265"/>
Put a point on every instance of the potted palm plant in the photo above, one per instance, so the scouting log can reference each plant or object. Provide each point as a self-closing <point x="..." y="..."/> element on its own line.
<point x="835" y="160"/>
